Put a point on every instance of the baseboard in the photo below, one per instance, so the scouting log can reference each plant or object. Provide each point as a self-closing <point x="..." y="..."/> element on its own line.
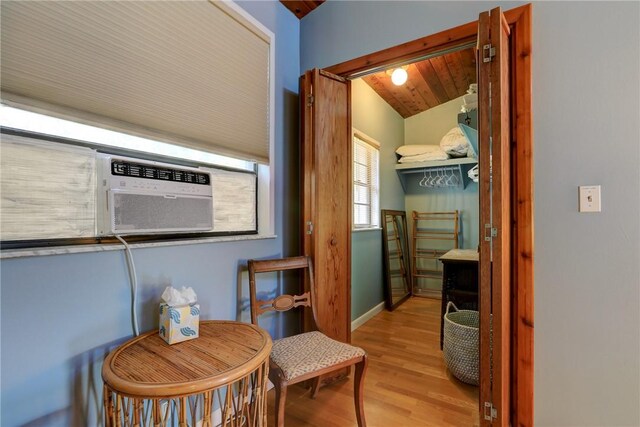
<point x="367" y="316"/>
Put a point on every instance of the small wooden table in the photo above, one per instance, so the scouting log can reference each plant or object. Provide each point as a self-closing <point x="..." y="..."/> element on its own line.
<point x="459" y="281"/>
<point x="219" y="378"/>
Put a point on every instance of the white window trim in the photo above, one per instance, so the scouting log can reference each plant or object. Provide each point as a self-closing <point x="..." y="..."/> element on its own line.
<point x="360" y="230"/>
<point x="375" y="144"/>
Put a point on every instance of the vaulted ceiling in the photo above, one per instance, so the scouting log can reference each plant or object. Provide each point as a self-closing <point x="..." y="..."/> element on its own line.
<point x="431" y="82"/>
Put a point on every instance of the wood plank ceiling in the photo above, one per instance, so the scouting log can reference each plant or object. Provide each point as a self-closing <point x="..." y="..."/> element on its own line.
<point x="301" y="8"/>
<point x="430" y="83"/>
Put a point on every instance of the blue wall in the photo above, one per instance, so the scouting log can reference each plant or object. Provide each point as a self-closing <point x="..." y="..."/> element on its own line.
<point x="375" y="118"/>
<point x="367" y="272"/>
<point x="586" y="117"/>
<point x="61" y="314"/>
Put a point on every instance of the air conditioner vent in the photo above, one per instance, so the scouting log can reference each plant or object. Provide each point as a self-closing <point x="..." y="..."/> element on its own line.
<point x="142" y="213"/>
<point x="137" y="170"/>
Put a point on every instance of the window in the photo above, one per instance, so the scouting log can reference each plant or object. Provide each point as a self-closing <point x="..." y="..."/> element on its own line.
<point x="48" y="178"/>
<point x="39" y="123"/>
<point x="202" y="97"/>
<point x="366" y="187"/>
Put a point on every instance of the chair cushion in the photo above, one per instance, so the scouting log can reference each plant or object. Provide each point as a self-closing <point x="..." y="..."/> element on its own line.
<point x="300" y="354"/>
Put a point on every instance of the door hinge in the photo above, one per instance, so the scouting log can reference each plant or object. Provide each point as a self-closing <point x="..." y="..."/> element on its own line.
<point x="310" y="100"/>
<point x="309" y="227"/>
<point x="490" y="413"/>
<point x="488" y="52"/>
<point x="489" y="232"/>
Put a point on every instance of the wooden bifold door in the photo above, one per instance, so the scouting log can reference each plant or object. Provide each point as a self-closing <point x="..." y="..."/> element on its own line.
<point x="495" y="216"/>
<point x="325" y="102"/>
<point x="506" y="198"/>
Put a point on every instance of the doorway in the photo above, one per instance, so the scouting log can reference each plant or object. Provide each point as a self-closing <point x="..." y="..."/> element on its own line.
<point x="517" y="346"/>
<point x="420" y="131"/>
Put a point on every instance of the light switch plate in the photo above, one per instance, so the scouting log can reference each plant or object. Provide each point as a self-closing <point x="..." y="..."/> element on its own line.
<point x="589" y="198"/>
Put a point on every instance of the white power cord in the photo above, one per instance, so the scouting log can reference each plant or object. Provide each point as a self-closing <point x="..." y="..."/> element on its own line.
<point x="134" y="285"/>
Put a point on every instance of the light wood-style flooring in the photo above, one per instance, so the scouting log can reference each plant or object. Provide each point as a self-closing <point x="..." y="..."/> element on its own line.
<point x="406" y="383"/>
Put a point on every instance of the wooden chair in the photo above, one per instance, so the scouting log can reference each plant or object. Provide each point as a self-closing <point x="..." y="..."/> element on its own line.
<point x="305" y="356"/>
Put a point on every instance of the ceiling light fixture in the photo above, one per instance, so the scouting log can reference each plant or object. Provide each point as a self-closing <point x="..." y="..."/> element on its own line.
<point x="399" y="76"/>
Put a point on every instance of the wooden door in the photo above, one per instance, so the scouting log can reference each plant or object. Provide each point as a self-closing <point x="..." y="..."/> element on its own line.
<point x="326" y="171"/>
<point x="495" y="217"/>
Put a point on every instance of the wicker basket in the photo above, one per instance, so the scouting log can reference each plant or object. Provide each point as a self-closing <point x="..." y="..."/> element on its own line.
<point x="461" y="343"/>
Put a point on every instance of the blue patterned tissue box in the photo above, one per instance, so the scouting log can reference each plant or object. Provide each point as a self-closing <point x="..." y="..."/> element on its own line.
<point x="180" y="322"/>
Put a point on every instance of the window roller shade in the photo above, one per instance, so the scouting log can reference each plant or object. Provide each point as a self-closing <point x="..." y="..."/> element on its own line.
<point x="194" y="72"/>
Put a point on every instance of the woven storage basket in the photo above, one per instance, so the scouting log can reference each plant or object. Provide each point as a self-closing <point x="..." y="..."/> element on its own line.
<point x="461" y="343"/>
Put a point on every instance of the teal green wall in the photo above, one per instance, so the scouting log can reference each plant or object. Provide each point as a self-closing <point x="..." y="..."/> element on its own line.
<point x="448" y="199"/>
<point x="430" y="126"/>
<point x="376" y="119"/>
<point x="466" y="201"/>
<point x="367" y="272"/>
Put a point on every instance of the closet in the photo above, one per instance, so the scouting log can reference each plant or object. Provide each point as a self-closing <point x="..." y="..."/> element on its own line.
<point x="441" y="196"/>
<point x="427" y="133"/>
<point x="505" y="66"/>
<point x="428" y="168"/>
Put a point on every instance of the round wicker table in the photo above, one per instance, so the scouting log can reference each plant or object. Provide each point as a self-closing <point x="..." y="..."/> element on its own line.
<point x="219" y="378"/>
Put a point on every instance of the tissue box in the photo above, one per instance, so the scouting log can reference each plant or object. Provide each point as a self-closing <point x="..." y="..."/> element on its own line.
<point x="179" y="322"/>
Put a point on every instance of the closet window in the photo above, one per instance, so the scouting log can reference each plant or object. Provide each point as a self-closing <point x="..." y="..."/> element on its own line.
<point x="366" y="187"/>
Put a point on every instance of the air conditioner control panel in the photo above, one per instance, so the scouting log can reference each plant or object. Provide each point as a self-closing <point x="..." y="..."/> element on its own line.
<point x="126" y="174"/>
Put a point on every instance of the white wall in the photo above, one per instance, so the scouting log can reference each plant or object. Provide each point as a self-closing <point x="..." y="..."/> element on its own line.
<point x="586" y="117"/>
<point x="430" y="126"/>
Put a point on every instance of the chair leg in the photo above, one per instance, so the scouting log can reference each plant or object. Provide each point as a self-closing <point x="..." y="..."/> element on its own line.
<point x="280" y="384"/>
<point x="315" y="387"/>
<point x="358" y="390"/>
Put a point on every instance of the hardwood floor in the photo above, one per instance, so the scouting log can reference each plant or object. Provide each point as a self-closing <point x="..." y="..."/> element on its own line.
<point x="406" y="383"/>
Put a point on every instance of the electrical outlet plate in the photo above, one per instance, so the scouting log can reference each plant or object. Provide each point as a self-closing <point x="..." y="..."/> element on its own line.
<point x="589" y="198"/>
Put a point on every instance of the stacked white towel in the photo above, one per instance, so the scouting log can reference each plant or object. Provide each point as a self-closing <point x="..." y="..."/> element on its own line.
<point x="470" y="100"/>
<point x="420" y="153"/>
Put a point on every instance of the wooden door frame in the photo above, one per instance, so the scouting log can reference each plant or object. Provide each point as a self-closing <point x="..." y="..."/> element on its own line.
<point x="519" y="20"/>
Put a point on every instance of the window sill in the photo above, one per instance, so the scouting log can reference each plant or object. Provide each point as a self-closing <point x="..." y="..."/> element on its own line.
<point x="61" y="250"/>
<point x="360" y="230"/>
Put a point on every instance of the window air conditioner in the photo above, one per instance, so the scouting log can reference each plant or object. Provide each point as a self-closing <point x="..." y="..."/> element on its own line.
<point x="144" y="197"/>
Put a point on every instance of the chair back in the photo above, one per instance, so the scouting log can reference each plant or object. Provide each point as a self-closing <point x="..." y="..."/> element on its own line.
<point x="282" y="302"/>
